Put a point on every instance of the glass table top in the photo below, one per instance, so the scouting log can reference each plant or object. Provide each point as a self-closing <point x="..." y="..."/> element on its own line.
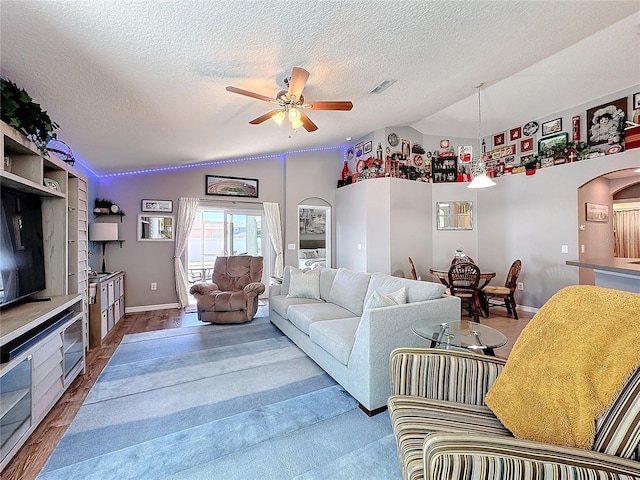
<point x="462" y="334"/>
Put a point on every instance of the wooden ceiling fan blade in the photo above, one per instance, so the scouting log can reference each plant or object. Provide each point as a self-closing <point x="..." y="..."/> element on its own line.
<point x="298" y="80"/>
<point x="308" y="125"/>
<point x="262" y="118"/>
<point x="249" y="94"/>
<point x="329" y="105"/>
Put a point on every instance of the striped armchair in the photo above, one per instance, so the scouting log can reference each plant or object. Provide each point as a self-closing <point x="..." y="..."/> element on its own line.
<point x="444" y="430"/>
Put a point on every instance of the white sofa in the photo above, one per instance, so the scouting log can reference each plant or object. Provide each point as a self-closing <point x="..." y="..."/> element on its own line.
<point x="350" y="342"/>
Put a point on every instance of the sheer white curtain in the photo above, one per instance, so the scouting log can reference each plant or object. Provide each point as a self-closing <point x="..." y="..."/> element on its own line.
<point x="272" y="212"/>
<point x="187" y="209"/>
<point x="627" y="228"/>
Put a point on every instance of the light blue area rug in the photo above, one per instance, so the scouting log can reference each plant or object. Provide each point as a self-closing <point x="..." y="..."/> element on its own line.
<point x="220" y="402"/>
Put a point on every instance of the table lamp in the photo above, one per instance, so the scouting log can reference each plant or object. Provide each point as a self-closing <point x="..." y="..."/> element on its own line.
<point x="103" y="233"/>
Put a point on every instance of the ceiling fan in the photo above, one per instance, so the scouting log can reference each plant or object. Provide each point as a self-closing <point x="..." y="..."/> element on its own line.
<point x="291" y="103"/>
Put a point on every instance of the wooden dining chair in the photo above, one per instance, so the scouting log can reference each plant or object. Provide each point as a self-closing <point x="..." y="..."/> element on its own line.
<point x="463" y="283"/>
<point x="505" y="295"/>
<point x="414" y="274"/>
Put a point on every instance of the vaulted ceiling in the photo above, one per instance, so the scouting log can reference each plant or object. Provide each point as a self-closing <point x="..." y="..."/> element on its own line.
<point x="139" y="84"/>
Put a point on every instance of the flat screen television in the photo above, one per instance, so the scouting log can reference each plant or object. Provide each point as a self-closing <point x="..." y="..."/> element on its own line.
<point x="22" y="272"/>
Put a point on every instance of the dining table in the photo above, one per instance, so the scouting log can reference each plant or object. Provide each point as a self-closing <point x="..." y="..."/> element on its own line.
<point x="485" y="277"/>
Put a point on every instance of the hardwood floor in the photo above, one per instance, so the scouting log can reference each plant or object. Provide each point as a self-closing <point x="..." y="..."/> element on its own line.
<point x="34" y="453"/>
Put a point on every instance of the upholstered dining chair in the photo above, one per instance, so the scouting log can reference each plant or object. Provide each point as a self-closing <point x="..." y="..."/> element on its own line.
<point x="232" y="296"/>
<point x="560" y="407"/>
<point x="463" y="283"/>
<point x="505" y="294"/>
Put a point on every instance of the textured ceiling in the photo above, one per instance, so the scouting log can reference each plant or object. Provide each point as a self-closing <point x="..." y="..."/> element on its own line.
<point x="141" y="84"/>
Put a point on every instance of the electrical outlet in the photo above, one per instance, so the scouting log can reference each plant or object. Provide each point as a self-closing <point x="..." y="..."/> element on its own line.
<point x="154" y="286"/>
<point x="520" y="286"/>
<point x="565" y="248"/>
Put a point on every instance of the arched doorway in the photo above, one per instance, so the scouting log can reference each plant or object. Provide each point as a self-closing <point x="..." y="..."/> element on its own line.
<point x="596" y="233"/>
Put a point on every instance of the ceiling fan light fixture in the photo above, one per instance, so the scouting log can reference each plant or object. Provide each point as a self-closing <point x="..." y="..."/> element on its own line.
<point x="296" y="124"/>
<point x="294" y="114"/>
<point x="279" y="117"/>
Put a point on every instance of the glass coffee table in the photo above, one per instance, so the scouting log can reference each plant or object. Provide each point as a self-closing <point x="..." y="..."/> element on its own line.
<point x="462" y="334"/>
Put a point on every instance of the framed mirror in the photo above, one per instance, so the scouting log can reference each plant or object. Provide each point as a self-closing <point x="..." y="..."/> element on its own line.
<point x="454" y="215"/>
<point x="155" y="228"/>
<point x="314" y="236"/>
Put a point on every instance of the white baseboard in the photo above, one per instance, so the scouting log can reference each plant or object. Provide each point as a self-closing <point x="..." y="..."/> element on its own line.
<point x="148" y="308"/>
<point x="528" y="309"/>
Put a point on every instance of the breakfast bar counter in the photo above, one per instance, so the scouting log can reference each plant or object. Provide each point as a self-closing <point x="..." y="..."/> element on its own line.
<point x="618" y="273"/>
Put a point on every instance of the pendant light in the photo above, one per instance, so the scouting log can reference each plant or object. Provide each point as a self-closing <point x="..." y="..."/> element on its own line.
<point x="479" y="178"/>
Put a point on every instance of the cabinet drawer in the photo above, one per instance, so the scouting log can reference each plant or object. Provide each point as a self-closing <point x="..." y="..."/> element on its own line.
<point x="49" y="350"/>
<point x="47" y="370"/>
<point x="111" y="292"/>
<point x="47" y="380"/>
<point x="117" y="288"/>
<point x="43" y="400"/>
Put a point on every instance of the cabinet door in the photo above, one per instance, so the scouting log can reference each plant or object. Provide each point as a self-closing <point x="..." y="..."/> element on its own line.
<point x="111" y="292"/>
<point x="103" y="324"/>
<point x="104" y="300"/>
<point x="48" y="383"/>
<point x="117" y="287"/>
<point x="116" y="311"/>
<point x="110" y="318"/>
<point x="15" y="405"/>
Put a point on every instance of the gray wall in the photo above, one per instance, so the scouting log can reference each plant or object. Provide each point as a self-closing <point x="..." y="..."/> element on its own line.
<point x="311" y="174"/>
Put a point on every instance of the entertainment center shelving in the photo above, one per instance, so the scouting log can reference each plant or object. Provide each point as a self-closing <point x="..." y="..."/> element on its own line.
<point x="53" y="331"/>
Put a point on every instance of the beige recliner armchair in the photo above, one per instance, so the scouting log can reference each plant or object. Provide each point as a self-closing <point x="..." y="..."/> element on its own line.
<point x="232" y="297"/>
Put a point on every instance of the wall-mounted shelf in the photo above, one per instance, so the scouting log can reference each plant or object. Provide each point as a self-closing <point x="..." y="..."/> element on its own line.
<point x="96" y="215"/>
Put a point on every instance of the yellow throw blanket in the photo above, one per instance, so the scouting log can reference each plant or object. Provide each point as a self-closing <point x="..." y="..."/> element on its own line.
<point x="568" y="364"/>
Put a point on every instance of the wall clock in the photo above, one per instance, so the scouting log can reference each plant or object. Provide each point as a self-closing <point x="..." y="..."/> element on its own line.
<point x="393" y="139"/>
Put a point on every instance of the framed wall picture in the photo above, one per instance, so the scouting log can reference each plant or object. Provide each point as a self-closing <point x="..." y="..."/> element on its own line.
<point x="157" y="206"/>
<point x="606" y="122"/>
<point x="368" y="147"/>
<point x="526" y="145"/>
<point x="552" y="140"/>
<point x="596" y="212"/>
<point x="231" y="186"/>
<point x="359" y="149"/>
<point x="551" y="127"/>
<point x="515" y="134"/>
<point x="406" y="148"/>
<point x="498" y="140"/>
<point x="636" y="101"/>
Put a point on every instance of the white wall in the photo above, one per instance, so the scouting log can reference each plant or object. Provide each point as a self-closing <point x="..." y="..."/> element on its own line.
<point x="530" y="217"/>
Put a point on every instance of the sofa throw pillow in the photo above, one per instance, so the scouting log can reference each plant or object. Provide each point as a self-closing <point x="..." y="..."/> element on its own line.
<point x="304" y="284"/>
<point x="349" y="289"/>
<point x="377" y="299"/>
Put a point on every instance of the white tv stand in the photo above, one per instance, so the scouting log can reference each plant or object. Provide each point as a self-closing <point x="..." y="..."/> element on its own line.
<point x="33" y="380"/>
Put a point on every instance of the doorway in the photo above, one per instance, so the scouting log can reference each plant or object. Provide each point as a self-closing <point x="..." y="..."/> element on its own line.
<point x="224" y="232"/>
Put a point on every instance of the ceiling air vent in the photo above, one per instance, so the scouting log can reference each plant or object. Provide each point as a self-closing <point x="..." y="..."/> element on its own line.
<point x="383" y="86"/>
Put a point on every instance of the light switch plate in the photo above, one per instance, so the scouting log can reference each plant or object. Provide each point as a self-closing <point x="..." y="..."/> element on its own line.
<point x="565" y="248"/>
